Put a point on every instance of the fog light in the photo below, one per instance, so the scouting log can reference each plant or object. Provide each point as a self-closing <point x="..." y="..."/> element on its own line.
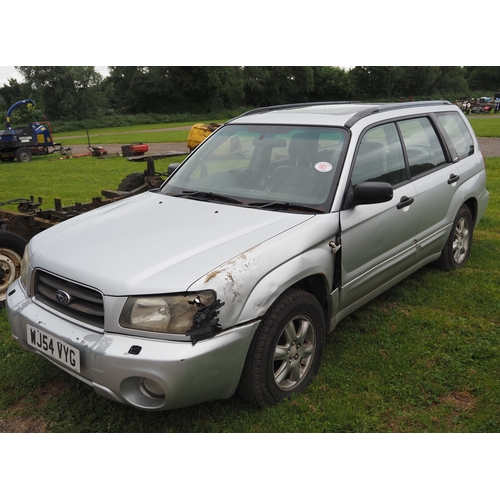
<point x="151" y="389"/>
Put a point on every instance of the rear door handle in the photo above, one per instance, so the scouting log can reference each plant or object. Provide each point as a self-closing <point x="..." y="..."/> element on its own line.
<point x="404" y="202"/>
<point x="453" y="178"/>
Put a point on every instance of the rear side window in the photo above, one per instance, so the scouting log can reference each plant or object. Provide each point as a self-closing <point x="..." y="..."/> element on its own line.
<point x="458" y="133"/>
<point x="380" y="157"/>
<point x="422" y="145"/>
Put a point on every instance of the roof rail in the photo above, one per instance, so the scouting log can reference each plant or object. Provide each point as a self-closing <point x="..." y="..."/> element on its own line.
<point x="377" y="108"/>
<point x="266" y="109"/>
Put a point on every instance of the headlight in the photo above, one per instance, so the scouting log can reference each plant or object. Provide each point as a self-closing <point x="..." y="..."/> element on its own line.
<point x="163" y="313"/>
<point x="25" y="268"/>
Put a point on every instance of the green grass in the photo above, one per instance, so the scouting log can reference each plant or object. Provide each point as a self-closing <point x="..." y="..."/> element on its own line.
<point x="97" y="138"/>
<point x="485" y="125"/>
<point x="152" y="133"/>
<point x="423" y="357"/>
<point x="69" y="179"/>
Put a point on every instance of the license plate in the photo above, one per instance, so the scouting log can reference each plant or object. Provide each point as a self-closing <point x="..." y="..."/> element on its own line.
<point x="56" y="349"/>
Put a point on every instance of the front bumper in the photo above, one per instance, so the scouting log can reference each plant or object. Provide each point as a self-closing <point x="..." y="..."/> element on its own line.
<point x="187" y="374"/>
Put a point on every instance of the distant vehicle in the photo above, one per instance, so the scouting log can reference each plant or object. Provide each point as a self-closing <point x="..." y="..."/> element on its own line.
<point x="23" y="143"/>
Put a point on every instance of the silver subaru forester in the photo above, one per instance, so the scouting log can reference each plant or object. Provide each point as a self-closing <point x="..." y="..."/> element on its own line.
<point x="227" y="278"/>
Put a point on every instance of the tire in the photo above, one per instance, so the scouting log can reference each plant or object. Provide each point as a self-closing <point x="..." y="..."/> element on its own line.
<point x="23" y="155"/>
<point x="131" y="182"/>
<point x="458" y="246"/>
<point x="11" y="254"/>
<point x="286" y="350"/>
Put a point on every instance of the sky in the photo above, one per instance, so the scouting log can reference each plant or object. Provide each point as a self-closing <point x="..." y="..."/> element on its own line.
<point x="7" y="72"/>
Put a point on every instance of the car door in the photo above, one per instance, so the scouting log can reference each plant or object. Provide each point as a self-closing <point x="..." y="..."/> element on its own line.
<point x="436" y="179"/>
<point x="377" y="240"/>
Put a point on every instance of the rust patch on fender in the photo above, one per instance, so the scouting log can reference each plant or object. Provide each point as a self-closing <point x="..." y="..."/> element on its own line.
<point x="230" y="263"/>
<point x="212" y="275"/>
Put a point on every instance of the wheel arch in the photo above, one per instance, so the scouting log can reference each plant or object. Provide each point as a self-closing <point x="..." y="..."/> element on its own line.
<point x="317" y="286"/>
<point x="473" y="207"/>
<point x="268" y="290"/>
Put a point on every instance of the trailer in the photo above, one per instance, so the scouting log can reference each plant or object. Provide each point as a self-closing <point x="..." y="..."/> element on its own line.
<point x="18" y="227"/>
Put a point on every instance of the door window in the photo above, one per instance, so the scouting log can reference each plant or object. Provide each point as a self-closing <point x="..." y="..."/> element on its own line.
<point x="422" y="146"/>
<point x="380" y="157"/>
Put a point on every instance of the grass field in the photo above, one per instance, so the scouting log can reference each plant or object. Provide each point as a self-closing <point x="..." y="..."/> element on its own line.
<point x="485" y="125"/>
<point x="423" y="357"/>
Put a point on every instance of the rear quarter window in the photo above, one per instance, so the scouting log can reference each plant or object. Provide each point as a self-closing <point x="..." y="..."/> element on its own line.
<point x="458" y="133"/>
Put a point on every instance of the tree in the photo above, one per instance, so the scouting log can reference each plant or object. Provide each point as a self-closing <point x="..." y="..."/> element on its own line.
<point x="331" y="84"/>
<point x="176" y="89"/>
<point x="66" y="92"/>
<point x="373" y="82"/>
<point x="204" y="88"/>
<point x="14" y="92"/>
<point x="268" y="85"/>
<point x="389" y="82"/>
<point x="483" y="77"/>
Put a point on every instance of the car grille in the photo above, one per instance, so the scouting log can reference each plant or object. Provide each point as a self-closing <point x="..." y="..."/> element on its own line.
<point x="77" y="301"/>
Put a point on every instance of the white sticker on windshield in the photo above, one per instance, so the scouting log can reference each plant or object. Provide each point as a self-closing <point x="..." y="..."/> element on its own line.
<point x="323" y="166"/>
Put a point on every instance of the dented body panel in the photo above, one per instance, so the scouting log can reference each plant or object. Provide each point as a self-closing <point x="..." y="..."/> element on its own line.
<point x="251" y="282"/>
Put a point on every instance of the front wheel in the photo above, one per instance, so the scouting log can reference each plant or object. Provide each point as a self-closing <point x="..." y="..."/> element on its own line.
<point x="11" y="254"/>
<point x="286" y="350"/>
<point x="458" y="246"/>
<point x="23" y="155"/>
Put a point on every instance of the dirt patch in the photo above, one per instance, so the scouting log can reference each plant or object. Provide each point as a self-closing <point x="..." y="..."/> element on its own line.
<point x="490" y="146"/>
<point x="14" y="419"/>
<point x="20" y="424"/>
<point x="459" y="401"/>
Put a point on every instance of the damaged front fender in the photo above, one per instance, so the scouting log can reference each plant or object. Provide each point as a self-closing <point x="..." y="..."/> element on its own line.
<point x="250" y="282"/>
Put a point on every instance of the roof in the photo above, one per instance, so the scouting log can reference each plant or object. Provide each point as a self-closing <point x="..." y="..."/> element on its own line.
<point x="341" y="113"/>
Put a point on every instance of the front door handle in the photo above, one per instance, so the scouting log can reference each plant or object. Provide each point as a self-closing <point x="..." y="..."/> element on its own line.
<point x="453" y="178"/>
<point x="404" y="202"/>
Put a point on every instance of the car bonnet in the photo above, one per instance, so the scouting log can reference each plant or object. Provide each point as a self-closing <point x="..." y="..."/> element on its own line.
<point x="153" y="243"/>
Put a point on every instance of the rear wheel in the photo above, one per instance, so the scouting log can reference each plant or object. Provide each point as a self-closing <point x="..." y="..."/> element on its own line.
<point x="286" y="350"/>
<point x="23" y="155"/>
<point x="458" y="246"/>
<point x="11" y="254"/>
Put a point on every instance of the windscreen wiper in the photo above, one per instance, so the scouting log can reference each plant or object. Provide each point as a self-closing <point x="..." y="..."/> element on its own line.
<point x="203" y="195"/>
<point x="282" y="205"/>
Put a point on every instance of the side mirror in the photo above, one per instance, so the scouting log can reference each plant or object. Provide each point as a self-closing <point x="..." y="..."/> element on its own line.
<point x="172" y="168"/>
<point x="369" y="193"/>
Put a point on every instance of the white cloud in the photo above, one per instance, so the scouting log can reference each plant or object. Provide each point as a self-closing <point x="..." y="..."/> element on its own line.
<point x="7" y="72"/>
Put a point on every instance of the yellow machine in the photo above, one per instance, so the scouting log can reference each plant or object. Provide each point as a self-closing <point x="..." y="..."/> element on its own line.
<point x="198" y="133"/>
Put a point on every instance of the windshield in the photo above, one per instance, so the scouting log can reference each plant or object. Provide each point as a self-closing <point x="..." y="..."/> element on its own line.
<point x="264" y="166"/>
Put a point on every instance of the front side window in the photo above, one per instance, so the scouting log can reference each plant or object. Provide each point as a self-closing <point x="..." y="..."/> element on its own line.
<point x="380" y="157"/>
<point x="422" y="145"/>
<point x="261" y="165"/>
<point x="458" y="133"/>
